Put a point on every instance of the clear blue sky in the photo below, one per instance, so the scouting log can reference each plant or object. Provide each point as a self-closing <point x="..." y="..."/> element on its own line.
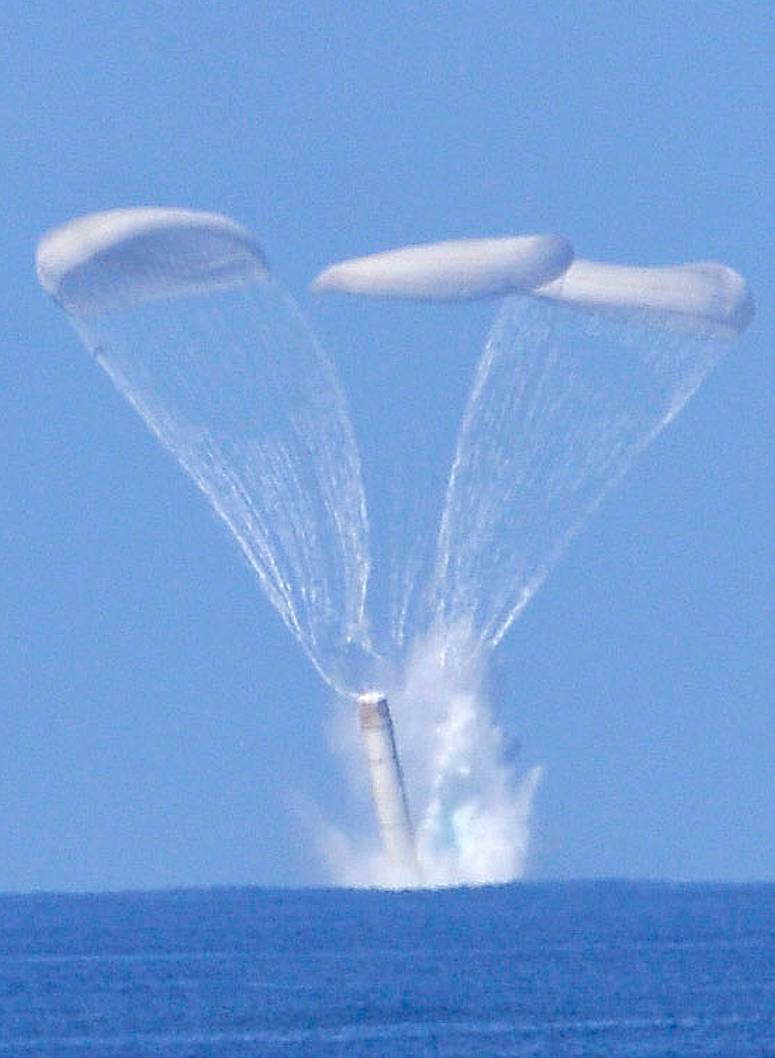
<point x="158" y="724"/>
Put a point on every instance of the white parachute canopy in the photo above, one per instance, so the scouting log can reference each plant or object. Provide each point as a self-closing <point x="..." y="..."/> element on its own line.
<point x="179" y="309"/>
<point x="703" y="298"/>
<point x="105" y="262"/>
<point x="457" y="270"/>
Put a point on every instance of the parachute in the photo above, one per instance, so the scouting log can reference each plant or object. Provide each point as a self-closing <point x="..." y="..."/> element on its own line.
<point x="458" y="270"/>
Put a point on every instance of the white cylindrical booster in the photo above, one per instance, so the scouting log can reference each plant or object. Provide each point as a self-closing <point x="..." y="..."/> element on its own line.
<point x="388" y="784"/>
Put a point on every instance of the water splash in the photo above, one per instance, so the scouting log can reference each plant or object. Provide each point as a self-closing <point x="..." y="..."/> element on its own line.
<point x="470" y="804"/>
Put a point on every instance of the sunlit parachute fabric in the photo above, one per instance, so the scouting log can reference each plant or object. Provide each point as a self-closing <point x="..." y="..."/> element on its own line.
<point x="180" y="310"/>
<point x="111" y="261"/>
<point x="458" y="270"/>
<point x="702" y="298"/>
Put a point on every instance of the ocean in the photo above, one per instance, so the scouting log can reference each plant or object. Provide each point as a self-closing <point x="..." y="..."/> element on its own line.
<point x="588" y="968"/>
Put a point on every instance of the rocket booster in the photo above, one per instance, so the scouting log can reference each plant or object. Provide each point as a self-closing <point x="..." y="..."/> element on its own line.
<point x="387" y="783"/>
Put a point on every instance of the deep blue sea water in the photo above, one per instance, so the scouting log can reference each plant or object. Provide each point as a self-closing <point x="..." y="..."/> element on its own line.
<point x="608" y="968"/>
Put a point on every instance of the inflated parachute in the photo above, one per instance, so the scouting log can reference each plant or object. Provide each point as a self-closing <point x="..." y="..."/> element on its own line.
<point x="702" y="298"/>
<point x="106" y="262"/>
<point x="178" y="307"/>
<point x="457" y="270"/>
